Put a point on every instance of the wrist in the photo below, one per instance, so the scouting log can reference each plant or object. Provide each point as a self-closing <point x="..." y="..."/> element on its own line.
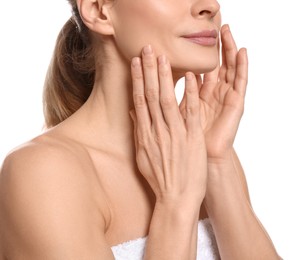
<point x="179" y="202"/>
<point x="182" y="199"/>
<point x="221" y="170"/>
<point x="180" y="208"/>
<point x="224" y="184"/>
<point x="221" y="163"/>
<point x="176" y="219"/>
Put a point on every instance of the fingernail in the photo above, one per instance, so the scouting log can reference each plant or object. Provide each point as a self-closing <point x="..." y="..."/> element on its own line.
<point x="189" y="76"/>
<point x="161" y="59"/>
<point x="135" y="61"/>
<point x="147" y="50"/>
<point x="226" y="27"/>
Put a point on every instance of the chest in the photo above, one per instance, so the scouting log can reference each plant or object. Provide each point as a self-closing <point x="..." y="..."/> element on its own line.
<point x="130" y="200"/>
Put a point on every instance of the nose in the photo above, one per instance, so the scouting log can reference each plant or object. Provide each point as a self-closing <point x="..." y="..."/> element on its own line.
<point x="205" y="8"/>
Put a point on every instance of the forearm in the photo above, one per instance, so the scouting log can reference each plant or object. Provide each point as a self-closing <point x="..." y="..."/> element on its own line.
<point x="240" y="173"/>
<point x="173" y="232"/>
<point x="239" y="233"/>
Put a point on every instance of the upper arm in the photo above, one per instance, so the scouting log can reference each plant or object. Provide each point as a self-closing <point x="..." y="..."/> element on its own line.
<point x="45" y="209"/>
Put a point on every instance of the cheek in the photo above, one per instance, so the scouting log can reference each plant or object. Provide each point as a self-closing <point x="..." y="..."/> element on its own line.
<point x="130" y="34"/>
<point x="137" y="25"/>
<point x="217" y="19"/>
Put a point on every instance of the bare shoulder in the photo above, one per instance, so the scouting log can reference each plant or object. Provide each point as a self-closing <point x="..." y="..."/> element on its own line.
<point x="47" y="207"/>
<point x="45" y="153"/>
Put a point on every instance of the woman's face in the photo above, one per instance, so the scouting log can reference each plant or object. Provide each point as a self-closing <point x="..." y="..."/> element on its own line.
<point x="169" y="25"/>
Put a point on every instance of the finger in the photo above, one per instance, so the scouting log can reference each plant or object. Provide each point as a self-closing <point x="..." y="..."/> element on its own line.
<point x="211" y="76"/>
<point x="241" y="80"/>
<point x="133" y="116"/>
<point x="199" y="81"/>
<point x="142" y="113"/>
<point x="151" y="84"/>
<point x="210" y="81"/>
<point x="168" y="99"/>
<point x="134" y="119"/>
<point x="223" y="68"/>
<point x="182" y="105"/>
<point x="183" y="102"/>
<point x="192" y="104"/>
<point x="230" y="52"/>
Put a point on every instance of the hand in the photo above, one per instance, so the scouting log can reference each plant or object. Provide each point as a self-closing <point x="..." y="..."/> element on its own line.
<point x="170" y="151"/>
<point x="222" y="95"/>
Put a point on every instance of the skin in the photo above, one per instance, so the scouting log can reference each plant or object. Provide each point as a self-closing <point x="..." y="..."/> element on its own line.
<point x="175" y="19"/>
<point x="63" y="194"/>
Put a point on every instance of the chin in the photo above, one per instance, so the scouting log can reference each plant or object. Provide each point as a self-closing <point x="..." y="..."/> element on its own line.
<point x="204" y="69"/>
<point x="179" y="71"/>
<point x="196" y="62"/>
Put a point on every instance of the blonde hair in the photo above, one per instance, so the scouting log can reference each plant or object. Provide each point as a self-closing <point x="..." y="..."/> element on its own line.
<point x="71" y="73"/>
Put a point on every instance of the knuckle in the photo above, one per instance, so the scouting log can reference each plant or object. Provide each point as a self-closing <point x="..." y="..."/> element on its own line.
<point x="143" y="138"/>
<point x="242" y="79"/>
<point x="167" y="102"/>
<point x="139" y="100"/>
<point x="151" y="94"/>
<point x="159" y="133"/>
<point x="148" y="63"/>
<point x="158" y="138"/>
<point x="231" y="67"/>
<point x="137" y="74"/>
<point x="164" y="71"/>
<point x="192" y="109"/>
<point x="191" y="90"/>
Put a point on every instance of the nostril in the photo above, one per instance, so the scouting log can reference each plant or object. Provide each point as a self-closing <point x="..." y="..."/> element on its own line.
<point x="204" y="12"/>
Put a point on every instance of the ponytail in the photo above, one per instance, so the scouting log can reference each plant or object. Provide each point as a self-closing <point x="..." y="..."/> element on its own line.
<point x="71" y="73"/>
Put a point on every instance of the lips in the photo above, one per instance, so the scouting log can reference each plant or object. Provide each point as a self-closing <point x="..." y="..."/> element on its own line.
<point x="205" y="38"/>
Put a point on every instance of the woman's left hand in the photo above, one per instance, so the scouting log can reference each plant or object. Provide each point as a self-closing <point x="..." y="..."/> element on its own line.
<point x="222" y="95"/>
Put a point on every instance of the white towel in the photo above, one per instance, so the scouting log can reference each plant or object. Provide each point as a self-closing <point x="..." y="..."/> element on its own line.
<point x="206" y="245"/>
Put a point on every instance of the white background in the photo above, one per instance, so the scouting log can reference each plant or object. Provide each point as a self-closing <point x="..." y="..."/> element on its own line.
<point x="270" y="141"/>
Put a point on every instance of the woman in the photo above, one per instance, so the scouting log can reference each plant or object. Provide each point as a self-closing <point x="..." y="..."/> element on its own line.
<point x="121" y="160"/>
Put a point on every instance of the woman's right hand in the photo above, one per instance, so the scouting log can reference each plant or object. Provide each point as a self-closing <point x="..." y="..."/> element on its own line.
<point x="170" y="150"/>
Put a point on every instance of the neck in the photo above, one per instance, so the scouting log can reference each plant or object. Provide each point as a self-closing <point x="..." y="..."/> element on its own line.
<point x="104" y="119"/>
